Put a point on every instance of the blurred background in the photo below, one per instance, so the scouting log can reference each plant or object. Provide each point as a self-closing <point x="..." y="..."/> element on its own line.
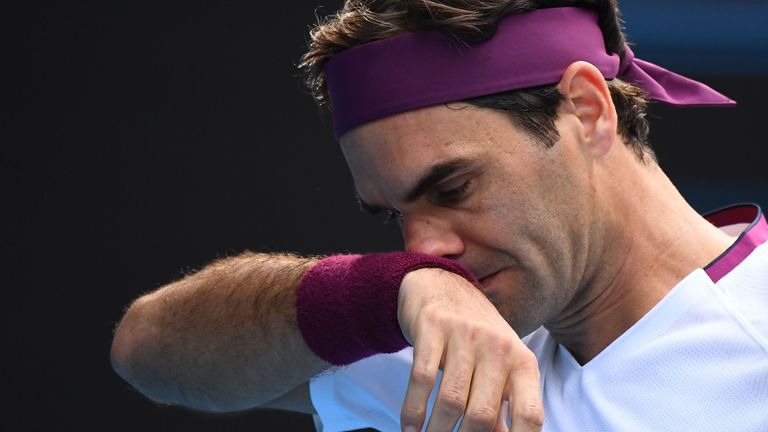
<point x="144" y="140"/>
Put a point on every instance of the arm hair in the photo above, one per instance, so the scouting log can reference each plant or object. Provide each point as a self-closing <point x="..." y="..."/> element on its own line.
<point x="220" y="340"/>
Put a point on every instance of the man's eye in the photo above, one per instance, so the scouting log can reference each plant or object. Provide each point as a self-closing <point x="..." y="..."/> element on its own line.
<point x="452" y="196"/>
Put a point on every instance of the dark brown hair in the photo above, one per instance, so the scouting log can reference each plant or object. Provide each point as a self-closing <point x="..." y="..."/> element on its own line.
<point x="533" y="109"/>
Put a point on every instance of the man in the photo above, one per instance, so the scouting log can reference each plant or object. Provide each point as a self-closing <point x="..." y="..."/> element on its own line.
<point x="509" y="140"/>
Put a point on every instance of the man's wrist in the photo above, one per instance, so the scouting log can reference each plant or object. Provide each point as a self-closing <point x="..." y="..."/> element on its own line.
<point x="418" y="280"/>
<point x="347" y="305"/>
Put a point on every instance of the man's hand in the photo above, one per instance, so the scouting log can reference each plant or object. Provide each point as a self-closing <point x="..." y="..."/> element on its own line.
<point x="454" y="327"/>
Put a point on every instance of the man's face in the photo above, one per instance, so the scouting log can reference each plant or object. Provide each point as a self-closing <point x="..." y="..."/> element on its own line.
<point x="472" y="186"/>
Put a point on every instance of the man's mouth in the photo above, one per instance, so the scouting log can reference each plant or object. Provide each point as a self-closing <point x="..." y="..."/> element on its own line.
<point x="487" y="280"/>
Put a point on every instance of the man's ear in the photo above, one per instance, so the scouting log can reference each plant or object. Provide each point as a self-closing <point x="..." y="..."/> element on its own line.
<point x="589" y="99"/>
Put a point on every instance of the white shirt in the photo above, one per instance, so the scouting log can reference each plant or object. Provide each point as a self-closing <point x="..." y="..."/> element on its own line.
<point x="697" y="361"/>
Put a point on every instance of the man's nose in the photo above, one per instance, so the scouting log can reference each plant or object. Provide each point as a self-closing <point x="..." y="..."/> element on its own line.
<point x="431" y="237"/>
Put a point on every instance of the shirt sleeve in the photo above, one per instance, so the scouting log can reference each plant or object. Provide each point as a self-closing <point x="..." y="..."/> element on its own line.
<point x="366" y="394"/>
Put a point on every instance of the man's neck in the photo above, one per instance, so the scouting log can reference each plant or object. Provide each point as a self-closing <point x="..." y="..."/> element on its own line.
<point x="657" y="241"/>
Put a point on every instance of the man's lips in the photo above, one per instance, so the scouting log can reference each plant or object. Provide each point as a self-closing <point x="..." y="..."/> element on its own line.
<point x="486" y="281"/>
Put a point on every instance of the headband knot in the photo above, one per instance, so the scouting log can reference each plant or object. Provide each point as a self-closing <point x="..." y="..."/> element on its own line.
<point x="626" y="61"/>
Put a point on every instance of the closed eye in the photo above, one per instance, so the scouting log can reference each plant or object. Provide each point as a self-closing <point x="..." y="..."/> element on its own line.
<point x="453" y="196"/>
<point x="390" y="214"/>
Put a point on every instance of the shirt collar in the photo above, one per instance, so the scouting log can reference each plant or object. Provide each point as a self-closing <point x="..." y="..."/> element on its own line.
<point x="755" y="234"/>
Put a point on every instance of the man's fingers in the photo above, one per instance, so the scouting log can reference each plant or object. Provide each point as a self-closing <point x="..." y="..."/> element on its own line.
<point x="487" y="391"/>
<point x="501" y="421"/>
<point x="483" y="361"/>
<point x="427" y="354"/>
<point x="454" y="388"/>
<point x="526" y="407"/>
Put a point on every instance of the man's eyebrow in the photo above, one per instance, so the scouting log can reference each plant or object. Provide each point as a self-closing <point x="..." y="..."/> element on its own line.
<point x="435" y="175"/>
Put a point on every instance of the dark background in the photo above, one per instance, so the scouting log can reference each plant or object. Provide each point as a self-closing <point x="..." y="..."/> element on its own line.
<point x="145" y="140"/>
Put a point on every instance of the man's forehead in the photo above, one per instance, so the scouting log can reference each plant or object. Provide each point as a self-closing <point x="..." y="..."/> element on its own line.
<point x="396" y="147"/>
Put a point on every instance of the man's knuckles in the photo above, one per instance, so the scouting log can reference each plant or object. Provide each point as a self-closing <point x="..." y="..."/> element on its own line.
<point x="451" y="401"/>
<point x="481" y="418"/>
<point x="526" y="362"/>
<point x="423" y="376"/>
<point x="530" y="414"/>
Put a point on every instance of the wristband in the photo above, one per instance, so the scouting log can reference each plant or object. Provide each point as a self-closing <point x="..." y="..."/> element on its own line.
<point x="346" y="305"/>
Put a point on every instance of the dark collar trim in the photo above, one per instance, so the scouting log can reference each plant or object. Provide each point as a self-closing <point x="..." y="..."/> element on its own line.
<point x="753" y="236"/>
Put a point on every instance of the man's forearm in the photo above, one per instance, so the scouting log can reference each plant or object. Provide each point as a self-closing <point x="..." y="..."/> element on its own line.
<point x="223" y="339"/>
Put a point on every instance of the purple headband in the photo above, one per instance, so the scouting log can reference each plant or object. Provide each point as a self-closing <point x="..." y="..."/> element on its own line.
<point x="424" y="68"/>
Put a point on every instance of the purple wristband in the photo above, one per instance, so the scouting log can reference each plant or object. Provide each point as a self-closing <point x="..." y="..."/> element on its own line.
<point x="346" y="305"/>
